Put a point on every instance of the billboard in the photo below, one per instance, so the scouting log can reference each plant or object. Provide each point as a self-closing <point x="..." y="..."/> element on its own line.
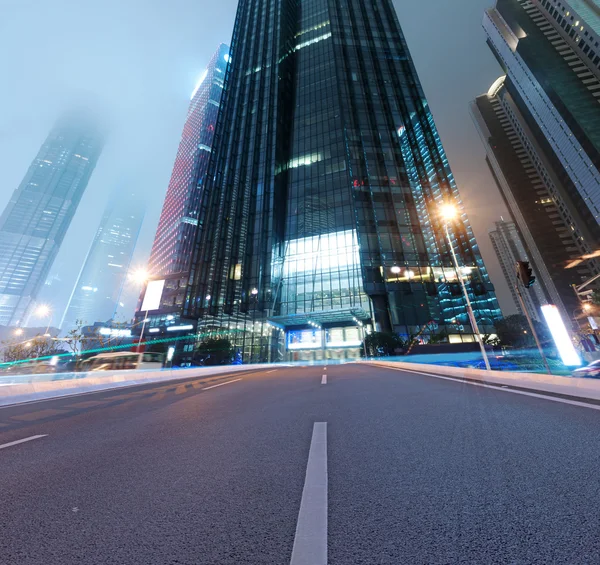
<point x="154" y="291"/>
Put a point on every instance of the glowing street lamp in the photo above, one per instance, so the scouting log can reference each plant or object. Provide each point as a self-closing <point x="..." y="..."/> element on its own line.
<point x="139" y="276"/>
<point x="44" y="311"/>
<point x="449" y="212"/>
<point x="18" y="331"/>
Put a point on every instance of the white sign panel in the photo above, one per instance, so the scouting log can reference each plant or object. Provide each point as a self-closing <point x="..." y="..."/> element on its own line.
<point x="153" y="295"/>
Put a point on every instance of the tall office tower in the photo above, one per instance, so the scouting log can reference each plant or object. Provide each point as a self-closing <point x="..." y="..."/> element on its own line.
<point x="323" y="195"/>
<point x="34" y="222"/>
<point x="540" y="125"/>
<point x="174" y="240"/>
<point x="509" y="249"/>
<point x="97" y="292"/>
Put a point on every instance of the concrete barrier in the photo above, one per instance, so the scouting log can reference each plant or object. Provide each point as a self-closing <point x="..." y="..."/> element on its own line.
<point x="568" y="386"/>
<point x="39" y="387"/>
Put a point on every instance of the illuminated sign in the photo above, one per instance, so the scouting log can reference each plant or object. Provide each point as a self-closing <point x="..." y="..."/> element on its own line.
<point x="153" y="295"/>
<point x="561" y="337"/>
<point x="170" y="353"/>
<point x="304" y="339"/>
<point x="180" y="328"/>
<point x="113" y="332"/>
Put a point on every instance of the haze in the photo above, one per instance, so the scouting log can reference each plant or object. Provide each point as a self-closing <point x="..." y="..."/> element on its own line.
<point x="136" y="63"/>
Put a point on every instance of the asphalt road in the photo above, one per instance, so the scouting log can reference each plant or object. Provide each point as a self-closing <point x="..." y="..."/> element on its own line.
<point x="374" y="466"/>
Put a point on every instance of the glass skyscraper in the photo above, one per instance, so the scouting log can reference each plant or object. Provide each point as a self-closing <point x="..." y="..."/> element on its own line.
<point x="97" y="292"/>
<point x="34" y="222"/>
<point x="540" y="125"/>
<point x="174" y="240"/>
<point x="320" y="216"/>
<point x="509" y="249"/>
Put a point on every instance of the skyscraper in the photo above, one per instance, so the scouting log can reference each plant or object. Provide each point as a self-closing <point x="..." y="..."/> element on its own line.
<point x="174" y="240"/>
<point x="97" y="292"/>
<point x="539" y="126"/>
<point x="509" y="249"/>
<point x="537" y="43"/>
<point x="34" y="222"/>
<point x="321" y="208"/>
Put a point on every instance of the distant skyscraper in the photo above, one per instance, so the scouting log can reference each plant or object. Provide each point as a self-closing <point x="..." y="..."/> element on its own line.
<point x="96" y="295"/>
<point x="322" y="201"/>
<point x="172" y="249"/>
<point x="509" y="249"/>
<point x="540" y="125"/>
<point x="34" y="222"/>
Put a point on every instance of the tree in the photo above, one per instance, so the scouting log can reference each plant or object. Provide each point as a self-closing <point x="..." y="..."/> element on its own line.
<point x="38" y="346"/>
<point x="382" y="344"/>
<point x="435" y="339"/>
<point x="214" y="351"/>
<point x="75" y="337"/>
<point x="515" y="331"/>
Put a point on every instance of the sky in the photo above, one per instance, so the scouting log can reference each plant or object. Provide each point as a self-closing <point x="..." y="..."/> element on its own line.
<point x="136" y="62"/>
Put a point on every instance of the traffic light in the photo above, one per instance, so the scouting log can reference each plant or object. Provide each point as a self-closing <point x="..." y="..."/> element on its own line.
<point x="524" y="273"/>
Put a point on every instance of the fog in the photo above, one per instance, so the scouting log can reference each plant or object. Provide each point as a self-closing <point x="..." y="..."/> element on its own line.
<point x="135" y="63"/>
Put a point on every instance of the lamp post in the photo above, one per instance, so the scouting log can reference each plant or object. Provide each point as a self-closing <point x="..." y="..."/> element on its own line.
<point x="449" y="212"/>
<point x="44" y="311"/>
<point x="141" y="277"/>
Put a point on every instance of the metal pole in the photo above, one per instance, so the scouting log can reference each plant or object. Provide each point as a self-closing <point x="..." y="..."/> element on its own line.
<point x="364" y="336"/>
<point x="469" y="308"/>
<point x="537" y="341"/>
<point x="142" y="332"/>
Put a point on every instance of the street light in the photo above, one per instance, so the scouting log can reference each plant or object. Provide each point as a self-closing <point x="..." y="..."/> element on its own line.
<point x="43" y="311"/>
<point x="140" y="276"/>
<point x="18" y="331"/>
<point x="449" y="212"/>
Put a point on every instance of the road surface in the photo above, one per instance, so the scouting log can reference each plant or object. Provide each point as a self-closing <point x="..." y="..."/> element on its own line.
<point x="352" y="464"/>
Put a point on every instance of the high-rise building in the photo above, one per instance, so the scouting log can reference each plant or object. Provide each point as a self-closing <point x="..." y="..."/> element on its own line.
<point x="509" y="249"/>
<point x="539" y="124"/>
<point x="97" y="292"/>
<point x="321" y="213"/>
<point x="174" y="240"/>
<point x="34" y="222"/>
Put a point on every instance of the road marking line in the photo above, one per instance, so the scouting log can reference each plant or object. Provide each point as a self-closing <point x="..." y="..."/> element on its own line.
<point x="324" y="380"/>
<point x="31" y="438"/>
<point x="221" y="384"/>
<point x="324" y="368"/>
<point x="310" y="541"/>
<point x="534" y="394"/>
<point x="267" y="372"/>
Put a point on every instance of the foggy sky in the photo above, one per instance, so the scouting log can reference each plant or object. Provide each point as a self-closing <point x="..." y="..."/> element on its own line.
<point x="136" y="63"/>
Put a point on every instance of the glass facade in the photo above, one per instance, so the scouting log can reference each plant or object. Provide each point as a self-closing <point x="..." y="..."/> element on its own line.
<point x="509" y="249"/>
<point x="558" y="91"/>
<point x="321" y="208"/>
<point x="174" y="238"/>
<point x="97" y="292"/>
<point x="34" y="222"/>
<point x="551" y="224"/>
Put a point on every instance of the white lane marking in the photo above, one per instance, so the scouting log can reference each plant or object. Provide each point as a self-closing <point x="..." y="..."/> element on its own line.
<point x="310" y="541"/>
<point x="324" y="380"/>
<point x="324" y="368"/>
<point x="31" y="438"/>
<point x="221" y="384"/>
<point x="267" y="372"/>
<point x="534" y="394"/>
